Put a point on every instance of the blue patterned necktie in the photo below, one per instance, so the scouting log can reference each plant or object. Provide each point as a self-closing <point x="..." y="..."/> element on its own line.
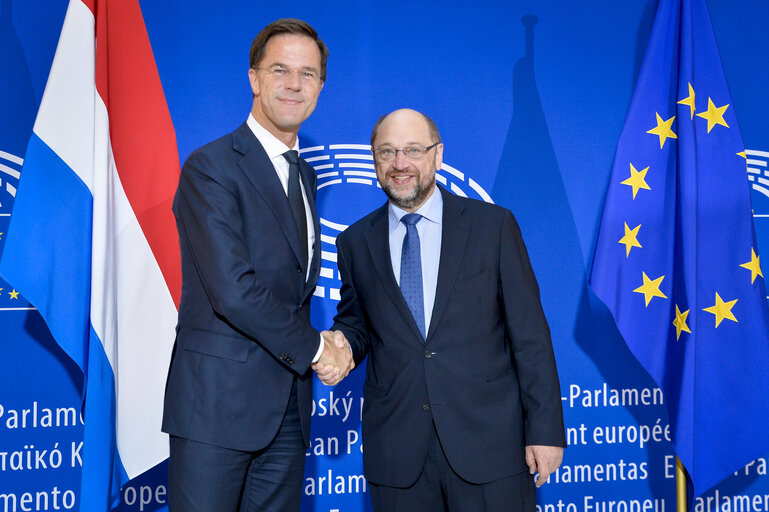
<point x="411" y="271"/>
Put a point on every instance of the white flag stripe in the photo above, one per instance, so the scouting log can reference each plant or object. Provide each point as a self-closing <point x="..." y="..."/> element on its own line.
<point x="132" y="311"/>
<point x="65" y="120"/>
<point x="134" y="316"/>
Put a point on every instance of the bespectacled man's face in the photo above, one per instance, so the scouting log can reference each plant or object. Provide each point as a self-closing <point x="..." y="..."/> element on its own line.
<point x="283" y="101"/>
<point x="407" y="182"/>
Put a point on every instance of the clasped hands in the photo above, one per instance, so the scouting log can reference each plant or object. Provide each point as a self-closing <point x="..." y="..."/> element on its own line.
<point x="336" y="360"/>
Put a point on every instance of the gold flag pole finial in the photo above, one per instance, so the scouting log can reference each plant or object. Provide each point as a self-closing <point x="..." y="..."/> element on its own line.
<point x="680" y="486"/>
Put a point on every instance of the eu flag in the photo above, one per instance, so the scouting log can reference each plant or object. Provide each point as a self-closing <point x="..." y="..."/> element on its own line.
<point x="676" y="259"/>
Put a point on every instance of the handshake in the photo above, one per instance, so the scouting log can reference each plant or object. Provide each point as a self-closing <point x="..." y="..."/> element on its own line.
<point x="336" y="360"/>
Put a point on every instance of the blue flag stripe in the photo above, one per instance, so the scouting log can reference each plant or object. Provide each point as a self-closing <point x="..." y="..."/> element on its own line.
<point x="58" y="194"/>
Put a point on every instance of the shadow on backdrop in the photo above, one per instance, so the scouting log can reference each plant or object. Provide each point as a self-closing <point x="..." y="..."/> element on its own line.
<point x="17" y="101"/>
<point x="529" y="182"/>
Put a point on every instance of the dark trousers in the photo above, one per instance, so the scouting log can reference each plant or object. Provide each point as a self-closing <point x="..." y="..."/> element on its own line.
<point x="206" y="478"/>
<point x="440" y="489"/>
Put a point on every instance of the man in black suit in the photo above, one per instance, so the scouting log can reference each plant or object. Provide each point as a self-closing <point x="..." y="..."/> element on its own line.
<point x="461" y="390"/>
<point x="239" y="389"/>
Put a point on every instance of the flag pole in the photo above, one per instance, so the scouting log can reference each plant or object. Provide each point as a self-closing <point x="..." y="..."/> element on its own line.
<point x="680" y="486"/>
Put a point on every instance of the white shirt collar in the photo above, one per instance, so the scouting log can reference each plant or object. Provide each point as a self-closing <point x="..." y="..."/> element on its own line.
<point x="271" y="144"/>
<point x="431" y="210"/>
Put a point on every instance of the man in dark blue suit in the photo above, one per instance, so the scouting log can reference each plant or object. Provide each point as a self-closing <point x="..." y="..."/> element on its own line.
<point x="461" y="391"/>
<point x="239" y="389"/>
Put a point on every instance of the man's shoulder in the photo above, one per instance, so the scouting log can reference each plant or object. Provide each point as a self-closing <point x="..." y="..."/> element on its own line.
<point x="223" y="144"/>
<point x="359" y="228"/>
<point x="223" y="152"/>
<point x="216" y="145"/>
<point x="477" y="207"/>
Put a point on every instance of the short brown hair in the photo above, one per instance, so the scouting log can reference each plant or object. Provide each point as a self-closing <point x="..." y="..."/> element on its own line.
<point x="431" y="127"/>
<point x="286" y="26"/>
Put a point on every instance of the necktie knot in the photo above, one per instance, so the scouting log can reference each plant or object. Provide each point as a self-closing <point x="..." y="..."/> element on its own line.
<point x="410" y="219"/>
<point x="292" y="156"/>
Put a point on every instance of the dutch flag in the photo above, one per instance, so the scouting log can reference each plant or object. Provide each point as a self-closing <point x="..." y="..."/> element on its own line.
<point x="92" y="243"/>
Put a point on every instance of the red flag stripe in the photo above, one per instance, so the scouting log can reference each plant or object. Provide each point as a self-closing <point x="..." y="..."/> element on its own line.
<point x="141" y="130"/>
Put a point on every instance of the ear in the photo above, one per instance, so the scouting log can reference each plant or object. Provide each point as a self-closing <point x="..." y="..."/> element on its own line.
<point x="252" y="77"/>
<point x="438" y="156"/>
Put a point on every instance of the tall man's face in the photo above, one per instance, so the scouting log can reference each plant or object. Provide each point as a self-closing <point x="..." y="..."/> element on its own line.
<point x="286" y="85"/>
<point x="407" y="180"/>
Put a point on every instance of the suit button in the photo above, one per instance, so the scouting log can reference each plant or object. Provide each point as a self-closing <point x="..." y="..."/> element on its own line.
<point x="428" y="354"/>
<point x="298" y="269"/>
<point x="426" y="406"/>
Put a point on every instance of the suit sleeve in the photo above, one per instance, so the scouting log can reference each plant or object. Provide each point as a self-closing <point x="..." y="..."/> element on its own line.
<point x="350" y="318"/>
<point x="530" y="337"/>
<point x="210" y="223"/>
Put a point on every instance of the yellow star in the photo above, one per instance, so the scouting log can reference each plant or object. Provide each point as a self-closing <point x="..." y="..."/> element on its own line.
<point x="650" y="288"/>
<point x="722" y="309"/>
<point x="630" y="239"/>
<point x="714" y="115"/>
<point x="743" y="154"/>
<point x="662" y="130"/>
<point x="753" y="265"/>
<point x="637" y="180"/>
<point x="680" y="322"/>
<point x="14" y="294"/>
<point x="689" y="100"/>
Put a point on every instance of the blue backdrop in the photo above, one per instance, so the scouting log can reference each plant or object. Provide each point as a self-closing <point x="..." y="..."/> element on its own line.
<point x="529" y="97"/>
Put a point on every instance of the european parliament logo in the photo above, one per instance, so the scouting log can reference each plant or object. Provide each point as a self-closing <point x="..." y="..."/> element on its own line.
<point x="758" y="176"/>
<point x="10" y="172"/>
<point x="348" y="190"/>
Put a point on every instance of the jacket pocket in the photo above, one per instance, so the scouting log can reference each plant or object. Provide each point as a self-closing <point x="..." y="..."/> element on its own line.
<point x="500" y="375"/>
<point x="215" y="344"/>
<point x="371" y="390"/>
<point x="471" y="282"/>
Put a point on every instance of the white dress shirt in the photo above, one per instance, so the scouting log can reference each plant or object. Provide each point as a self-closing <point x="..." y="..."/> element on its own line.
<point x="275" y="149"/>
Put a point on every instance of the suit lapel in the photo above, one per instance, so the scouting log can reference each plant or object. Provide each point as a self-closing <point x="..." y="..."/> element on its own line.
<point x="378" y="240"/>
<point x="260" y="172"/>
<point x="453" y="244"/>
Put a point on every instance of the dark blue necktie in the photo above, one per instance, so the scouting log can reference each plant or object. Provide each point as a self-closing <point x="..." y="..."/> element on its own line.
<point x="411" y="271"/>
<point x="296" y="201"/>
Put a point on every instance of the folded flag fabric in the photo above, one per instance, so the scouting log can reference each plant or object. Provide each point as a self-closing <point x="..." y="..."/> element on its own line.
<point x="92" y="243"/>
<point x="676" y="260"/>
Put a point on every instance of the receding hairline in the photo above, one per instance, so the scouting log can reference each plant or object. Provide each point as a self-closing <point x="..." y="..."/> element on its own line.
<point x="432" y="128"/>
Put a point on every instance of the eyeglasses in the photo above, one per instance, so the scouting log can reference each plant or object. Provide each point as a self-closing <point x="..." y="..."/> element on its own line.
<point x="281" y="73"/>
<point x="410" y="152"/>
